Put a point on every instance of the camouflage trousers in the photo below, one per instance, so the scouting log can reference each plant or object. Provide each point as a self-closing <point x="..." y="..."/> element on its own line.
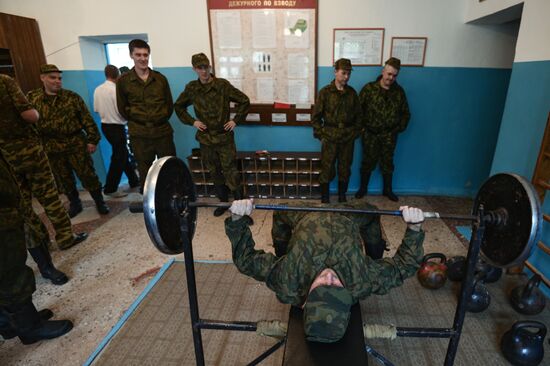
<point x="16" y="279"/>
<point x="34" y="176"/>
<point x="378" y="148"/>
<point x="284" y="222"/>
<point x="221" y="161"/>
<point x="332" y="152"/>
<point x="79" y="161"/>
<point x="146" y="150"/>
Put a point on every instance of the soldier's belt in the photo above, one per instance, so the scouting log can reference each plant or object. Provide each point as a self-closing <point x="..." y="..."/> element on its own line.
<point x="149" y="124"/>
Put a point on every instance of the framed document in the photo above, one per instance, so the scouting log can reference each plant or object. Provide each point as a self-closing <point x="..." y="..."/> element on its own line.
<point x="410" y="50"/>
<point x="267" y="49"/>
<point x="363" y="46"/>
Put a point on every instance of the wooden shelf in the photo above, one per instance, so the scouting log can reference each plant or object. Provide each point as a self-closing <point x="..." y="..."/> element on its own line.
<point x="535" y="270"/>
<point x="541" y="175"/>
<point x="544" y="247"/>
<point x="293" y="175"/>
<point x="546" y="217"/>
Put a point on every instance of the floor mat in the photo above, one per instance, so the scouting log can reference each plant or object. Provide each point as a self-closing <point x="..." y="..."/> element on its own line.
<point x="157" y="329"/>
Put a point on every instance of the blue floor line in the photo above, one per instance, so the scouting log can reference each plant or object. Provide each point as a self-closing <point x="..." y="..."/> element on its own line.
<point x="129" y="312"/>
<point x="465" y="231"/>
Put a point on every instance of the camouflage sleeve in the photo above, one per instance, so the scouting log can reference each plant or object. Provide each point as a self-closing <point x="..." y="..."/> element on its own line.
<point x="387" y="273"/>
<point x="318" y="114"/>
<point x="122" y="99"/>
<point x="182" y="103"/>
<point x="88" y="123"/>
<point x="363" y="104"/>
<point x="254" y="263"/>
<point x="16" y="95"/>
<point x="405" y="114"/>
<point x="242" y="103"/>
<point x="357" y="114"/>
<point x="168" y="98"/>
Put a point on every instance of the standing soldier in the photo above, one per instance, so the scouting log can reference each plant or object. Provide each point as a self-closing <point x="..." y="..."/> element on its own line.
<point x="18" y="316"/>
<point x="144" y="99"/>
<point x="70" y="135"/>
<point x="20" y="146"/>
<point x="386" y="113"/>
<point x="211" y="98"/>
<point x="337" y="123"/>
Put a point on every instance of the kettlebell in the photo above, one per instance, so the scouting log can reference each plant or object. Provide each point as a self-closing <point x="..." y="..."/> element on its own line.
<point x="432" y="274"/>
<point x="522" y="347"/>
<point x="456" y="268"/>
<point x="492" y="273"/>
<point x="528" y="299"/>
<point x="480" y="299"/>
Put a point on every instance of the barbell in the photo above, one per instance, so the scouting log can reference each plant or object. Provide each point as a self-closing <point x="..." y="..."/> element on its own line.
<point x="506" y="203"/>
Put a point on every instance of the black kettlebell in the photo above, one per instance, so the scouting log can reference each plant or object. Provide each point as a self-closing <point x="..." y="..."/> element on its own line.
<point x="528" y="299"/>
<point x="456" y="268"/>
<point x="492" y="273"/>
<point x="480" y="299"/>
<point x="522" y="347"/>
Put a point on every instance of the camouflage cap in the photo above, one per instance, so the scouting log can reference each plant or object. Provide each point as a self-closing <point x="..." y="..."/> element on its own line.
<point x="394" y="62"/>
<point x="47" y="68"/>
<point x="200" y="59"/>
<point x="343" y="64"/>
<point x="326" y="313"/>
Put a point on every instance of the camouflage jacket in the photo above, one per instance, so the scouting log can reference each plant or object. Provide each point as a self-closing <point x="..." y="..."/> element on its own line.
<point x="337" y="114"/>
<point x="12" y="103"/>
<point x="147" y="105"/>
<point x="65" y="122"/>
<point x="9" y="198"/>
<point x="319" y="240"/>
<point x="211" y="103"/>
<point x="384" y="111"/>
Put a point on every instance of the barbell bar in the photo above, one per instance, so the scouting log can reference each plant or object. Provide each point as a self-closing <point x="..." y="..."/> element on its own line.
<point x="506" y="203"/>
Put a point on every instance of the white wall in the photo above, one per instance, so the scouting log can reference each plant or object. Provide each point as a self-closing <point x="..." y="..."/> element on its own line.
<point x="179" y="28"/>
<point x="534" y="37"/>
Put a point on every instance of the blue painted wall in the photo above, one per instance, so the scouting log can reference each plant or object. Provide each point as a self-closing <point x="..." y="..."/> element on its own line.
<point x="524" y="119"/>
<point x="446" y="150"/>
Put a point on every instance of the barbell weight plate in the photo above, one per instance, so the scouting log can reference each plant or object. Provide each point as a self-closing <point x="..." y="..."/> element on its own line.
<point x="510" y="244"/>
<point x="168" y="186"/>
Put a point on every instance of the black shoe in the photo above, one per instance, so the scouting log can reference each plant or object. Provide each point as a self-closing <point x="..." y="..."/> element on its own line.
<point x="363" y="188"/>
<point x="391" y="196"/>
<point x="77" y="238"/>
<point x="223" y="194"/>
<point x="342" y="189"/>
<point x="43" y="259"/>
<point x="325" y="195"/>
<point x="30" y="328"/>
<point x="220" y="211"/>
<point x="75" y="204"/>
<point x="388" y="191"/>
<point x="97" y="196"/>
<point x="8" y="332"/>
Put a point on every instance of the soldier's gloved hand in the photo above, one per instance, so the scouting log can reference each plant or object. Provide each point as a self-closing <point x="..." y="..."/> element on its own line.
<point x="413" y="216"/>
<point x="240" y="208"/>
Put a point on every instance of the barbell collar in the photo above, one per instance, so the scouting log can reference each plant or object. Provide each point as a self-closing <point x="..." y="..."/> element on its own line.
<point x="427" y="215"/>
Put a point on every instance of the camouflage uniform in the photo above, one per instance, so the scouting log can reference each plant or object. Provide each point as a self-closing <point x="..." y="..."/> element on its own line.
<point x="386" y="113"/>
<point x="337" y="123"/>
<point x="20" y="145"/>
<point x="211" y="104"/>
<point x="16" y="279"/>
<point x="317" y="241"/>
<point x="66" y="127"/>
<point x="147" y="105"/>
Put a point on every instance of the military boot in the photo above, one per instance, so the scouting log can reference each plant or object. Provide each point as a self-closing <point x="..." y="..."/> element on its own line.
<point x="43" y="259"/>
<point x="223" y="194"/>
<point x="342" y="189"/>
<point x="363" y="188"/>
<point x="239" y="195"/>
<point x="100" y="205"/>
<point x="29" y="326"/>
<point x="388" y="192"/>
<point x="325" y="195"/>
<point x="8" y="332"/>
<point x="75" y="204"/>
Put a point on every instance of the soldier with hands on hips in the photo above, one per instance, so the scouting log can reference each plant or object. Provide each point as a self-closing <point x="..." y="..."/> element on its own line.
<point x="211" y="97"/>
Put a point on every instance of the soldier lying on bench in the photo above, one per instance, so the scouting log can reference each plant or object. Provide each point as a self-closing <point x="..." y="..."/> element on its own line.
<point x="320" y="264"/>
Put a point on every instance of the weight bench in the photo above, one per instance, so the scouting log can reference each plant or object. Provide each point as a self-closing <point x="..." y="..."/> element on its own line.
<point x="349" y="351"/>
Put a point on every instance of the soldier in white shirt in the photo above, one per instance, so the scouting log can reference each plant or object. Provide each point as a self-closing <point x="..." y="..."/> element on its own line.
<point x="113" y="126"/>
